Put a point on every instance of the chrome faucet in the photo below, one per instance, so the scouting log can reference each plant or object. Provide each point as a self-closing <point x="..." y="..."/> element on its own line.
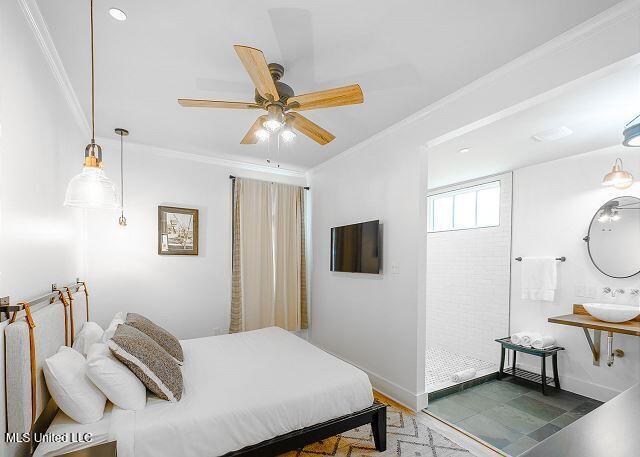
<point x="615" y="292"/>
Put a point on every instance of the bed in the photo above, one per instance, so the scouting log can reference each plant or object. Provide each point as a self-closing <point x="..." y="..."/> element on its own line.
<point x="254" y="393"/>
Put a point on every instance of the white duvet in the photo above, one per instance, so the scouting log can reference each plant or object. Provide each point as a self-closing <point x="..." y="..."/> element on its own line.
<point x="239" y="390"/>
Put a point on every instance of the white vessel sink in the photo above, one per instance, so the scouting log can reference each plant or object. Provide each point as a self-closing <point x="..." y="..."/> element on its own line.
<point x="609" y="312"/>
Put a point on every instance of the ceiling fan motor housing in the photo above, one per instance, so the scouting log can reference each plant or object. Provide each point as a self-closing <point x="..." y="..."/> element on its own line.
<point x="284" y="91"/>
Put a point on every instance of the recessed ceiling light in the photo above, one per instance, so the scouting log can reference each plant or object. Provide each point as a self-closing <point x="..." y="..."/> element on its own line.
<point x="117" y="14"/>
<point x="464" y="150"/>
<point x="553" y="134"/>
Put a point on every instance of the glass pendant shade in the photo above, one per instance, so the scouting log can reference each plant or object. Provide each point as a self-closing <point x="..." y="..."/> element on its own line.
<point x="618" y="177"/>
<point x="91" y="189"/>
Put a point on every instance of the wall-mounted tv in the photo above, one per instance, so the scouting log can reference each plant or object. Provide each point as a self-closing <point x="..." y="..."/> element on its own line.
<point x="356" y="248"/>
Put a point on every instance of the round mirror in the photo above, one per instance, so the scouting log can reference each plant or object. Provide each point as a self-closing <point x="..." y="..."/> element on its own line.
<point x="614" y="237"/>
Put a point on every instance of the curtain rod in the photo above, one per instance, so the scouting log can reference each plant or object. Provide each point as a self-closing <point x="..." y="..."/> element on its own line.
<point x="233" y="177"/>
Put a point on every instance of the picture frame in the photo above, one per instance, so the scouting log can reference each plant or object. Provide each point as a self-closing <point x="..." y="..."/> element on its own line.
<point x="177" y="231"/>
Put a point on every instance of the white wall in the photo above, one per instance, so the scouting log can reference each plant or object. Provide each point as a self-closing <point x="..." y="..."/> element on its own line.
<point x="468" y="282"/>
<point x="189" y="295"/>
<point x="41" y="147"/>
<point x="553" y="204"/>
<point x="372" y="320"/>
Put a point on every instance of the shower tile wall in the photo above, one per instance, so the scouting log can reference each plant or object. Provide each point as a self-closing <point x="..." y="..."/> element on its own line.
<point x="468" y="275"/>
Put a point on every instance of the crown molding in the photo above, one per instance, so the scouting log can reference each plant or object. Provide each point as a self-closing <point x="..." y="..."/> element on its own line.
<point x="43" y="37"/>
<point x="207" y="159"/>
<point x="602" y="21"/>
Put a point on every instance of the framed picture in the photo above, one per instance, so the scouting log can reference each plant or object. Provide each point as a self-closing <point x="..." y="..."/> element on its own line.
<point x="177" y="231"/>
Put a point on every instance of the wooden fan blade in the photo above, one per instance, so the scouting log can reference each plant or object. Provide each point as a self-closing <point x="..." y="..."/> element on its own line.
<point x="250" y="137"/>
<point x="339" y="96"/>
<point x="189" y="102"/>
<point x="312" y="130"/>
<point x="256" y="65"/>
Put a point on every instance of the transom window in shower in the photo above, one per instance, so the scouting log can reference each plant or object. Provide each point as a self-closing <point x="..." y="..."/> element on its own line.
<point x="467" y="208"/>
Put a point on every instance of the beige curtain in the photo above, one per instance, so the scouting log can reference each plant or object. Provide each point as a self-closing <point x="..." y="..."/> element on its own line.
<point x="287" y="256"/>
<point x="235" y="324"/>
<point x="269" y="284"/>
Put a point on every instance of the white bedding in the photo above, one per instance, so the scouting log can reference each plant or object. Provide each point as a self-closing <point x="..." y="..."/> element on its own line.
<point x="239" y="390"/>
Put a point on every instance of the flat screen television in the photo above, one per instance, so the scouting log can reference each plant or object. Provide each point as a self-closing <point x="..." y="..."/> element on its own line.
<point x="356" y="248"/>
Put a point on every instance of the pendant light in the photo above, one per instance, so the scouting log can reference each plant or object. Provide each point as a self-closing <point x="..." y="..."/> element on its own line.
<point x="91" y="188"/>
<point x="122" y="221"/>
<point x="632" y="133"/>
<point x="618" y="177"/>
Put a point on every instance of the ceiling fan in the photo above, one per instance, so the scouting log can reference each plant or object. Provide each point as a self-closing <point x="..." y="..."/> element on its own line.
<point x="280" y="102"/>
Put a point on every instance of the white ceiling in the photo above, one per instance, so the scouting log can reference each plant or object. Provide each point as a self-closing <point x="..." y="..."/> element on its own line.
<point x="596" y="112"/>
<point x="405" y="54"/>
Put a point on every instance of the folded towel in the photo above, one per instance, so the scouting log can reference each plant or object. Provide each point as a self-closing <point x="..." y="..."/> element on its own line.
<point x="539" y="278"/>
<point x="463" y="375"/>
<point x="529" y="338"/>
<point x="543" y="342"/>
<point x="516" y="338"/>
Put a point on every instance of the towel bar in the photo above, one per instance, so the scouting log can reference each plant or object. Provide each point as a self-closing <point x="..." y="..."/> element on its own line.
<point x="560" y="259"/>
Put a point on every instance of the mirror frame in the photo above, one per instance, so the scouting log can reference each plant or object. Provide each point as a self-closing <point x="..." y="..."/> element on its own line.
<point x="587" y="239"/>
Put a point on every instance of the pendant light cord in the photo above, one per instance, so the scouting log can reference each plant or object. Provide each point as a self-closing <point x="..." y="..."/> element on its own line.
<point x="121" y="175"/>
<point x="628" y="123"/>
<point x="93" y="128"/>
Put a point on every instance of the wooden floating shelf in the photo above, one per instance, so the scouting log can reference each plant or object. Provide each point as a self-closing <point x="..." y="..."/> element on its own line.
<point x="581" y="318"/>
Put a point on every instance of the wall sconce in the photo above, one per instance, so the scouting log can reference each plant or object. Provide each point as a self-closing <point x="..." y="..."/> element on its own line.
<point x="618" y="177"/>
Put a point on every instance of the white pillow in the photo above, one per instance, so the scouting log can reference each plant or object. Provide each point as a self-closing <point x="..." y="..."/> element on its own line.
<point x="90" y="333"/>
<point x="118" y="319"/>
<point x="70" y="387"/>
<point x="114" y="379"/>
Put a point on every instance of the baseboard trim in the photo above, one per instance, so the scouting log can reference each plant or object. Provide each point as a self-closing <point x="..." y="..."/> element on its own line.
<point x="395" y="392"/>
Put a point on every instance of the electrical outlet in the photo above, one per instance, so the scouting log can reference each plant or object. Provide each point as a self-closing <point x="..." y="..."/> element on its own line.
<point x="581" y="290"/>
<point x="395" y="269"/>
<point x="592" y="292"/>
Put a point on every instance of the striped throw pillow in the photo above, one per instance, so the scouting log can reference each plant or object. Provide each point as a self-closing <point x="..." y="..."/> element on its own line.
<point x="157" y="370"/>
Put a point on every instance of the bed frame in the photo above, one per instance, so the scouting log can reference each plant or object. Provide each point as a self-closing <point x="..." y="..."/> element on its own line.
<point x="376" y="415"/>
<point x="43" y="414"/>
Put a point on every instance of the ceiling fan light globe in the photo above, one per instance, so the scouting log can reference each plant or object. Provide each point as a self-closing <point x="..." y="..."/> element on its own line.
<point x="287" y="135"/>
<point x="262" y="135"/>
<point x="272" y="125"/>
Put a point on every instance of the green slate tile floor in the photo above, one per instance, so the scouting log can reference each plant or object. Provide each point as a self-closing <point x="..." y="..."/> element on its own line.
<point x="511" y="416"/>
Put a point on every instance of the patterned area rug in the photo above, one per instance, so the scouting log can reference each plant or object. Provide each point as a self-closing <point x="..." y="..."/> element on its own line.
<point x="406" y="436"/>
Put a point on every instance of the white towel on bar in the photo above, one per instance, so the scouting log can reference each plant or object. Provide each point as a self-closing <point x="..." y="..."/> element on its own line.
<point x="463" y="375"/>
<point x="539" y="278"/>
<point x="516" y="338"/>
<point x="529" y="338"/>
<point x="543" y="342"/>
